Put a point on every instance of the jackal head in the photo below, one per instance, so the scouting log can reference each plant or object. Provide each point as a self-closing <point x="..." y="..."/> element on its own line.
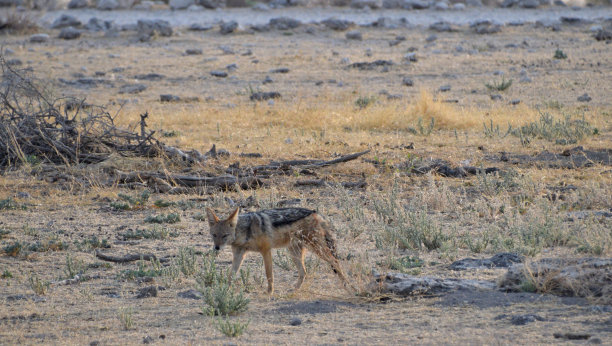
<point x="223" y="232"/>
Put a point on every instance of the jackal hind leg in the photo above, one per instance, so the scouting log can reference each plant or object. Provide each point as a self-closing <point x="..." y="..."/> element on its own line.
<point x="297" y="252"/>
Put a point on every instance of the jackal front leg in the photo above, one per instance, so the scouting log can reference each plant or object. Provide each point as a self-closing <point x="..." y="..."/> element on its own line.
<point x="237" y="262"/>
<point x="267" y="257"/>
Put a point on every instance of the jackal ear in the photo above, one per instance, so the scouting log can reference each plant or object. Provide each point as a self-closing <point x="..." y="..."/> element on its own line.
<point x="233" y="218"/>
<point x="212" y="217"/>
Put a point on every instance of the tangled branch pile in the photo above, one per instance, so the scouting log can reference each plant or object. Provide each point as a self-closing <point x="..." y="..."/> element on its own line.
<point x="35" y="127"/>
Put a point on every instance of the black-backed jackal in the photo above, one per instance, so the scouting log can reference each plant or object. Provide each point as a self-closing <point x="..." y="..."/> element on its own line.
<point x="297" y="229"/>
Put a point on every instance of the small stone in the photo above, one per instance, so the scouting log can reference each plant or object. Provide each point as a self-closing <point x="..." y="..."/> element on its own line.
<point x="231" y="67"/>
<point x="193" y="51"/>
<point x="407" y="81"/>
<point x="107" y="5"/>
<point x="228" y="27"/>
<point x="284" y="23"/>
<point x="431" y="38"/>
<point x="354" y="35"/>
<point x="515" y="102"/>
<point x="200" y="27"/>
<point x="295" y="321"/>
<point x="337" y="24"/>
<point x="220" y="74"/>
<point x="441" y="27"/>
<point x="262" y="96"/>
<point x="280" y="70"/>
<point x="14" y="62"/>
<point x="584" y="98"/>
<point x="69" y="33"/>
<point x="65" y="21"/>
<point x="169" y="98"/>
<point x="496" y="97"/>
<point x="445" y="88"/>
<point x="411" y="57"/>
<point x="190" y="294"/>
<point x="459" y="6"/>
<point x="147" y="292"/>
<point x="39" y="38"/>
<point x="524" y="79"/>
<point x="78" y="4"/>
<point x="132" y="88"/>
<point x="441" y="6"/>
<point x="267" y="80"/>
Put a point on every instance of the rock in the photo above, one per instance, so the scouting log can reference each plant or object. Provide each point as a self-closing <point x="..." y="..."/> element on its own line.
<point x="441" y="27"/>
<point x="411" y="57"/>
<point x="132" y="88"/>
<point x="96" y="25"/>
<point x="496" y="97"/>
<point x="69" y="33"/>
<point x="415" y="4"/>
<point x="584" y="277"/>
<point x="200" y="27"/>
<point x="373" y="4"/>
<point x="431" y="38"/>
<point x="474" y="3"/>
<point x="337" y="24"/>
<point x="521" y="320"/>
<point x="407" y="81"/>
<point x="280" y="70"/>
<point x="584" y="98"/>
<point x="228" y="27"/>
<point x="219" y="74"/>
<point x="147" y="28"/>
<point x="147" y="292"/>
<point x="211" y="4"/>
<point x="444" y="88"/>
<point x="107" y="5"/>
<point x="147" y="340"/>
<point x="144" y="6"/>
<point x="483" y="27"/>
<point x="39" y="38"/>
<point x="169" y="98"/>
<point x="406" y="285"/>
<point x="150" y="76"/>
<point x="371" y="65"/>
<point x="261" y="7"/>
<point x="441" y="6"/>
<point x="65" y="21"/>
<point x="14" y="62"/>
<point x="296" y="321"/>
<point x="603" y="35"/>
<point x="515" y="102"/>
<point x="78" y="4"/>
<point x="284" y="23"/>
<point x="500" y="260"/>
<point x="267" y="80"/>
<point x="190" y="294"/>
<point x="529" y="4"/>
<point x="459" y="6"/>
<point x="261" y="96"/>
<point x="354" y="35"/>
<point x="193" y="51"/>
<point x="180" y="4"/>
<point x="231" y="67"/>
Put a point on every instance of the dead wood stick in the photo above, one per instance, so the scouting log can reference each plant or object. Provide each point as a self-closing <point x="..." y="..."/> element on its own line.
<point x="226" y="182"/>
<point x="323" y="182"/>
<point x="126" y="258"/>
<point x="310" y="163"/>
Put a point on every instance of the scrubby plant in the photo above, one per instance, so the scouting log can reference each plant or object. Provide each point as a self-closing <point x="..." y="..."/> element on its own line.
<point x="561" y="131"/>
<point x="499" y="86"/>
<point x="163" y="218"/>
<point x="230" y="328"/>
<point x="128" y="202"/>
<point x="364" y="101"/>
<point x="125" y="316"/>
<point x="38" y="285"/>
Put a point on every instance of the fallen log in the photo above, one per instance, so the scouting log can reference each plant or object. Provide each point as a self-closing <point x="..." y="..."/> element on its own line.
<point x="164" y="181"/>
<point x="128" y="258"/>
<point x="324" y="182"/>
<point x="283" y="165"/>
